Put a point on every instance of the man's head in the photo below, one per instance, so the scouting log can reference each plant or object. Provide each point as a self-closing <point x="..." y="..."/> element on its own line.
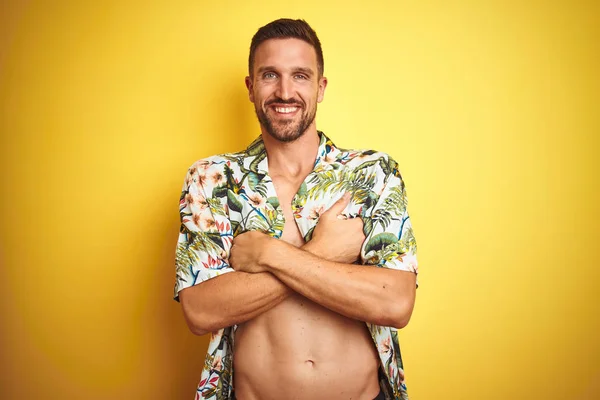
<point x="285" y="28"/>
<point x="286" y="80"/>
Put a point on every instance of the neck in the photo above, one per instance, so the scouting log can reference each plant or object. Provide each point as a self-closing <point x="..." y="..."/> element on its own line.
<point x="293" y="159"/>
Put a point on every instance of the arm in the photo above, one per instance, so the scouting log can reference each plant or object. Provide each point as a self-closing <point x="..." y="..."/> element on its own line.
<point x="230" y="299"/>
<point x="212" y="295"/>
<point x="234" y="298"/>
<point x="383" y="296"/>
<point x="377" y="295"/>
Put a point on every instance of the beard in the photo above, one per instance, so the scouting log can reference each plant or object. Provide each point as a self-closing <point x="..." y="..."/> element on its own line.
<point x="288" y="130"/>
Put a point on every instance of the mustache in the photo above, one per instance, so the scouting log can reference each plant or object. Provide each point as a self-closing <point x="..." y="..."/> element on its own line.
<point x="278" y="100"/>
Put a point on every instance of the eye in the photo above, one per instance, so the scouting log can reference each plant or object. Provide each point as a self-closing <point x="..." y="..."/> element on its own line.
<point x="269" y="75"/>
<point x="301" y="77"/>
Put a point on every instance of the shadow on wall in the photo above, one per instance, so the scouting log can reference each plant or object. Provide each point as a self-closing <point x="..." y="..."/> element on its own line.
<point x="178" y="348"/>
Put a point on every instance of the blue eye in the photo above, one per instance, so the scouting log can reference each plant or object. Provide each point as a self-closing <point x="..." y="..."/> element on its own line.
<point x="269" y="75"/>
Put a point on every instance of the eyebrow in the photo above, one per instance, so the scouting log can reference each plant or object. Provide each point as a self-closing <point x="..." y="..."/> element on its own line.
<point x="304" y="70"/>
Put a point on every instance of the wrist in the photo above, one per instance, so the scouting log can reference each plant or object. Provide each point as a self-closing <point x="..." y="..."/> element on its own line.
<point x="269" y="249"/>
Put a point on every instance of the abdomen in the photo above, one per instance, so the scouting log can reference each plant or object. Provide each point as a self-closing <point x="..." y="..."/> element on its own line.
<point x="301" y="350"/>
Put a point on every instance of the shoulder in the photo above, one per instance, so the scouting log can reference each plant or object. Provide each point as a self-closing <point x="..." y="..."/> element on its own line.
<point x="213" y="171"/>
<point x="374" y="161"/>
<point x="216" y="162"/>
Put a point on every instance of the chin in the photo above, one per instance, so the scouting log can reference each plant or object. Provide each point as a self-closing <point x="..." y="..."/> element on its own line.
<point x="286" y="137"/>
<point x="285" y="134"/>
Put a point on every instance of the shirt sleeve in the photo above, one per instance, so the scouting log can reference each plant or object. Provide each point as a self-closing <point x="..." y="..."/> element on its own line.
<point x="390" y="241"/>
<point x="205" y="235"/>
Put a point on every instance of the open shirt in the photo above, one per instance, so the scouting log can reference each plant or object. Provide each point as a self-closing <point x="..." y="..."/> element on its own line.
<point x="229" y="194"/>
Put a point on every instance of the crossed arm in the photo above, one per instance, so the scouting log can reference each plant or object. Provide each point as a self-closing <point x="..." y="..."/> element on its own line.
<point x="268" y="270"/>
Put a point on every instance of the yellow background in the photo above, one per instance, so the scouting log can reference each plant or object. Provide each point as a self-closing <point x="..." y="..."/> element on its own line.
<point x="490" y="107"/>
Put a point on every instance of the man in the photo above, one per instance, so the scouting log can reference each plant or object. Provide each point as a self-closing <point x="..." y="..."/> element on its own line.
<point x="269" y="246"/>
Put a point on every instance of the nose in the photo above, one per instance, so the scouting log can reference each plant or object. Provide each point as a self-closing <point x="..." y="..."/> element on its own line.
<point x="285" y="90"/>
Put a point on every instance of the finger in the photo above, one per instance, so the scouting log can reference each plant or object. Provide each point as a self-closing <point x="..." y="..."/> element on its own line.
<point x="339" y="205"/>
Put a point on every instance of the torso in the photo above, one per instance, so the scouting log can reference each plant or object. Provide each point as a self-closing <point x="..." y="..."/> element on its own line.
<point x="301" y="350"/>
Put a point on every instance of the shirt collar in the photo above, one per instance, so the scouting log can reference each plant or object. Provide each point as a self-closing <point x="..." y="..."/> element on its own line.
<point x="256" y="154"/>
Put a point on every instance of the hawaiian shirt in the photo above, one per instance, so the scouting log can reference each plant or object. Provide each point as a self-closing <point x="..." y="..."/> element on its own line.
<point x="226" y="195"/>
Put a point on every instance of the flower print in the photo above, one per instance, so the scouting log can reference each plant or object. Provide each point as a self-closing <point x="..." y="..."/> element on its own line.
<point x="197" y="173"/>
<point x="316" y="211"/>
<point x="207" y="223"/>
<point x="201" y="179"/>
<point x="196" y="200"/>
<point x="202" y="165"/>
<point x="204" y="221"/>
<point x="196" y="219"/>
<point x="329" y="159"/>
<point x="217" y="178"/>
<point x="384" y="345"/>
<point x="410" y="261"/>
<point x="256" y="199"/>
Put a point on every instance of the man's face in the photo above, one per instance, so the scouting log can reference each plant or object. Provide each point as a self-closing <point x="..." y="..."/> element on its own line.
<point x="285" y="87"/>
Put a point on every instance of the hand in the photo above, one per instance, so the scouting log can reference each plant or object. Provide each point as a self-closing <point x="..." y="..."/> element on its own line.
<point x="336" y="238"/>
<point x="248" y="250"/>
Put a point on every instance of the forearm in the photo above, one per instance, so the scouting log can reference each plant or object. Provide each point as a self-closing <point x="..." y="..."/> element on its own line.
<point x="230" y="299"/>
<point x="377" y="295"/>
<point x="233" y="298"/>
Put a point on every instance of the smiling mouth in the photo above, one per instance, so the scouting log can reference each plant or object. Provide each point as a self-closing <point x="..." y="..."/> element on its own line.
<point x="283" y="109"/>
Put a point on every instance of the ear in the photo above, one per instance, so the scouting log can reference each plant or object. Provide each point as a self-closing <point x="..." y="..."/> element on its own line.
<point x="249" y="87"/>
<point x="322" y="86"/>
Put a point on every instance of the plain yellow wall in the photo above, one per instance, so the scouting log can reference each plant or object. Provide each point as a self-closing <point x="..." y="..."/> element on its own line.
<point x="490" y="107"/>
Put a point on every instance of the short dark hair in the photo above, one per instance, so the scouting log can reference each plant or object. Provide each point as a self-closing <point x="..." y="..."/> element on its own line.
<point x="286" y="28"/>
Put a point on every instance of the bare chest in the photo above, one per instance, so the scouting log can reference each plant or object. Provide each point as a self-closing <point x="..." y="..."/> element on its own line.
<point x="286" y="190"/>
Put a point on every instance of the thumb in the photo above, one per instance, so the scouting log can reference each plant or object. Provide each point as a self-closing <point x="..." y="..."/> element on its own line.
<point x="339" y="205"/>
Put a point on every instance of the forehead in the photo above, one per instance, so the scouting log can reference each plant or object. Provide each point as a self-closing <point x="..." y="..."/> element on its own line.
<point x="285" y="53"/>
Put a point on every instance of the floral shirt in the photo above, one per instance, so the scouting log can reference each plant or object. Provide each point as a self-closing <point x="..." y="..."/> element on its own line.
<point x="229" y="194"/>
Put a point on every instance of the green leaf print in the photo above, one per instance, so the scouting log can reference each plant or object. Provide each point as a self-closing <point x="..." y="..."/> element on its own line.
<point x="367" y="226"/>
<point x="371" y="200"/>
<point x="257" y="223"/>
<point x="183" y="260"/>
<point x="274" y="202"/>
<point x="216" y="238"/>
<point x="256" y="161"/>
<point x="308" y="236"/>
<point x="302" y="190"/>
<point x="216" y="207"/>
<point x="231" y="183"/>
<point x="380" y="241"/>
<point x="366" y="164"/>
<point x="219" y="191"/>
<point x="381" y="217"/>
<point x="261" y="189"/>
<point x="233" y="203"/>
<point x="235" y="227"/>
<point x="253" y="180"/>
<point x="256" y="148"/>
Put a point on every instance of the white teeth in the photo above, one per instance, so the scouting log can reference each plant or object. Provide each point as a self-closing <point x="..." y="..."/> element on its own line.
<point x="285" y="110"/>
